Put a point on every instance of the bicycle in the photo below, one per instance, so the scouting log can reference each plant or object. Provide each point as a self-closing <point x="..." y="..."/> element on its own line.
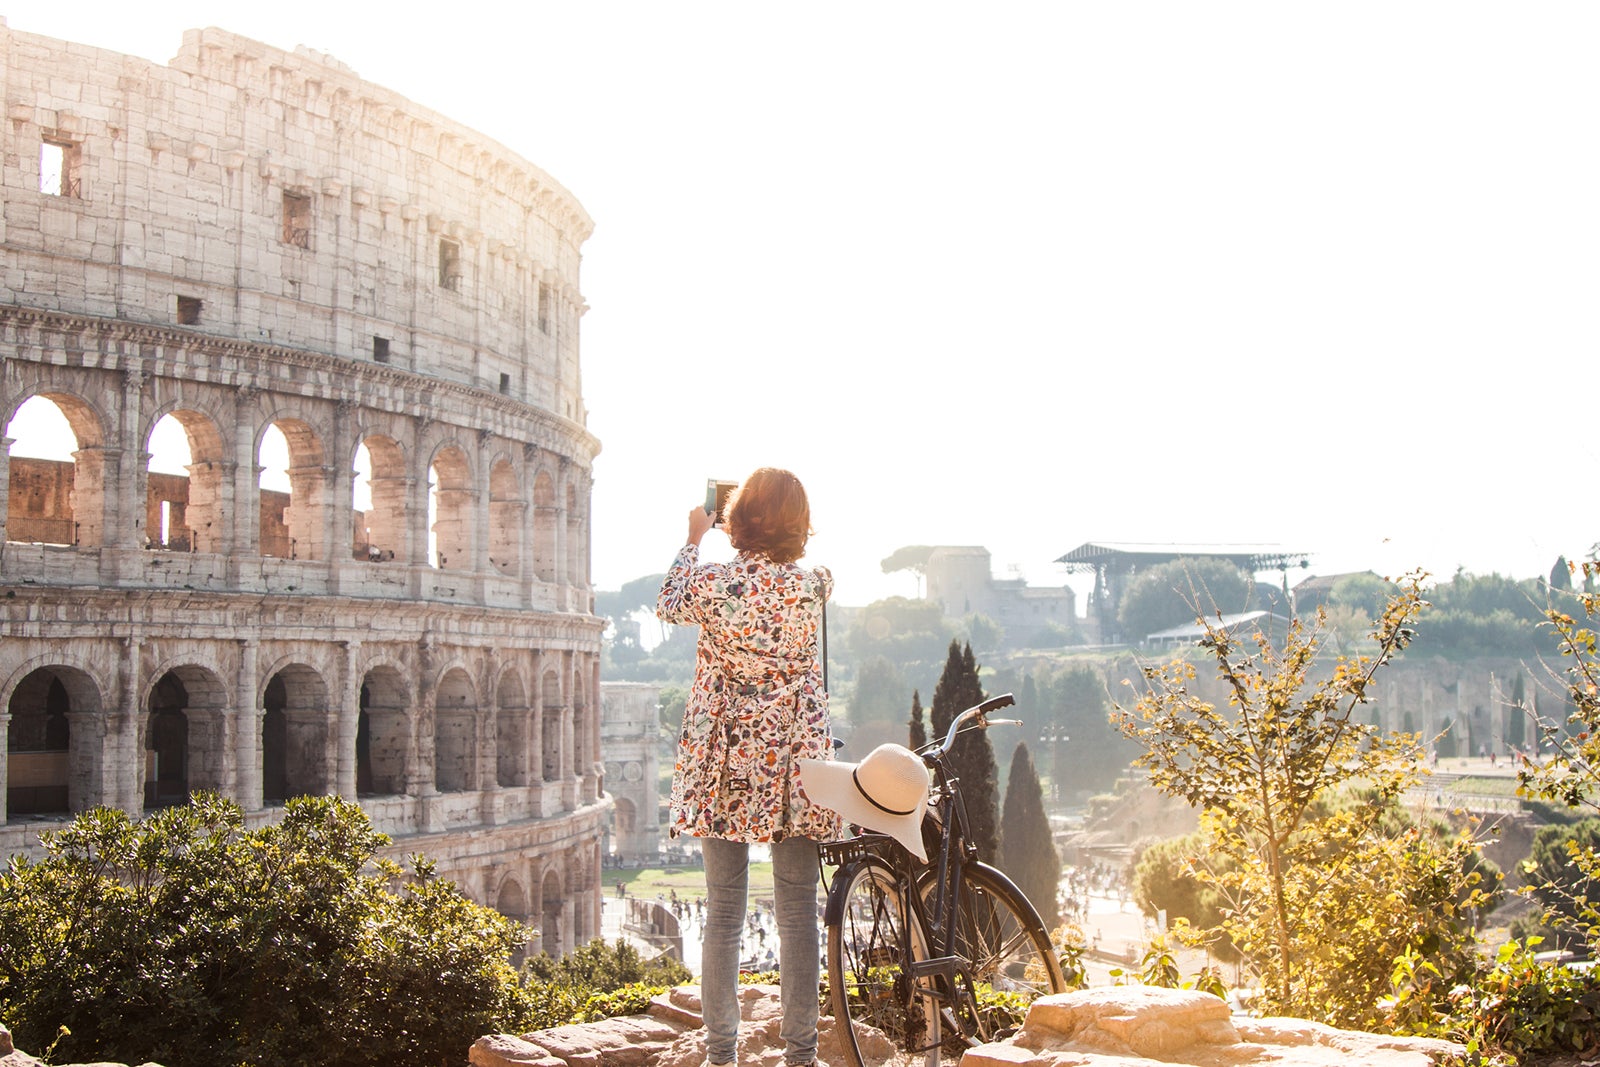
<point x="943" y="955"/>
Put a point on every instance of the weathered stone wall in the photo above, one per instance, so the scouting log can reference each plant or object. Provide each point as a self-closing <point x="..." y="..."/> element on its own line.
<point x="297" y="204"/>
<point x="246" y="239"/>
<point x="40" y="506"/>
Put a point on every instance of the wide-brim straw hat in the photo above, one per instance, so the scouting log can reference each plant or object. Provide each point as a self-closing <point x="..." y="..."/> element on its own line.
<point x="886" y="792"/>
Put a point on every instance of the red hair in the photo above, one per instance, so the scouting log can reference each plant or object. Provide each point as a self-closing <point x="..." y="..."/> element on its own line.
<point x="769" y="516"/>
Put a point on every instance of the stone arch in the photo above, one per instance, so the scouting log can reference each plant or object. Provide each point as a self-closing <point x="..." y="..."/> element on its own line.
<point x="552" y="903"/>
<point x="187" y="512"/>
<point x="511" y="730"/>
<point x="378" y="531"/>
<point x="450" y="498"/>
<point x="292" y="525"/>
<point x="184" y="734"/>
<point x="582" y="752"/>
<point x="295" y="732"/>
<point x="544" y="527"/>
<point x="57" y="501"/>
<point x="455" y="734"/>
<point x="50" y="761"/>
<point x="383" y="731"/>
<point x="551" y="707"/>
<point x="577" y="566"/>
<point x="511" y="900"/>
<point x="505" y="518"/>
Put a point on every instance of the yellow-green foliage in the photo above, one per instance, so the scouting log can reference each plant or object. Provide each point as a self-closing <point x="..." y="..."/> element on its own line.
<point x="1321" y="891"/>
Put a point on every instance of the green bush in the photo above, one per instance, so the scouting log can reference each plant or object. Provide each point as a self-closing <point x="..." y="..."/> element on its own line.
<point x="596" y="982"/>
<point x="188" y="939"/>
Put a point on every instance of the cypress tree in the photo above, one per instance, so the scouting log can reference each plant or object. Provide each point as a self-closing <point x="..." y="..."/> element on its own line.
<point x="972" y="759"/>
<point x="918" y="729"/>
<point x="1027" y="849"/>
<point x="944" y="696"/>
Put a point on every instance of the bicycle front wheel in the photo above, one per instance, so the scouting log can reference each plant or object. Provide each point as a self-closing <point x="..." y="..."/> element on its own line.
<point x="872" y="938"/>
<point x="1011" y="961"/>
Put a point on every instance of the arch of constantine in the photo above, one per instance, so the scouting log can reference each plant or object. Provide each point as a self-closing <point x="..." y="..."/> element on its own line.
<point x="251" y="246"/>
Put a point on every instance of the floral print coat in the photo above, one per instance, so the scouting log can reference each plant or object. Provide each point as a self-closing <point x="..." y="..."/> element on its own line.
<point x="757" y="705"/>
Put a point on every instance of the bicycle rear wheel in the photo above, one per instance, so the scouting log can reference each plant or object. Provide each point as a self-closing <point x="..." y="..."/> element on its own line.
<point x="1011" y="961"/>
<point x="872" y="938"/>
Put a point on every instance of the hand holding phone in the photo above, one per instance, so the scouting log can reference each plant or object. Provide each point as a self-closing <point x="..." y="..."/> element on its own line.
<point x="717" y="499"/>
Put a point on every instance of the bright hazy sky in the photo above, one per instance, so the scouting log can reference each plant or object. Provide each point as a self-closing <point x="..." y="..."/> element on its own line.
<point x="1025" y="275"/>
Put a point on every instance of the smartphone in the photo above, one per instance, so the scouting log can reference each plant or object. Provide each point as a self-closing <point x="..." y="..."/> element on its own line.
<point x="717" y="498"/>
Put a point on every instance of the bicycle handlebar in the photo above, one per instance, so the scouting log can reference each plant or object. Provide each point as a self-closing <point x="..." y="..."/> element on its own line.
<point x="977" y="711"/>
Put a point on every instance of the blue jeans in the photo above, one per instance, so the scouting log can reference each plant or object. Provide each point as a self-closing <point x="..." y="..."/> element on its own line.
<point x="794" y="875"/>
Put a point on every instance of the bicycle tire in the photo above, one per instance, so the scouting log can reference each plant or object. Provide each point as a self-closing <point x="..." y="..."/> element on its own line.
<point x="999" y="932"/>
<point x="870" y="925"/>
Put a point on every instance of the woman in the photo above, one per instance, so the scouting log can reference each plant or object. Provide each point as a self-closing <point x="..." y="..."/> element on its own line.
<point x="756" y="709"/>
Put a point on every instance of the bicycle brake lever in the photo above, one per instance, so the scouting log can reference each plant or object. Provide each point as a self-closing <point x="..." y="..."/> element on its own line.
<point x="1003" y="722"/>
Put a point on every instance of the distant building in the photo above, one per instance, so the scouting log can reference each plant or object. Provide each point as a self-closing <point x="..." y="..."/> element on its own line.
<point x="1115" y="563"/>
<point x="630" y="727"/>
<point x="960" y="582"/>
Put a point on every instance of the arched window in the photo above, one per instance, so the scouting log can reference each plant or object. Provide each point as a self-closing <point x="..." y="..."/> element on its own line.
<point x="511" y="730"/>
<point x="294" y="735"/>
<point x="56" y="492"/>
<point x="544" y="527"/>
<point x="378" y="504"/>
<point x="455" y="738"/>
<point x="450" y="496"/>
<point x="293" y="487"/>
<point x="382" y="734"/>
<point x="550" y="730"/>
<point x="184" y="737"/>
<point x="39" y="748"/>
<point x="185" y="485"/>
<point x="505" y="519"/>
<point x="167" y="750"/>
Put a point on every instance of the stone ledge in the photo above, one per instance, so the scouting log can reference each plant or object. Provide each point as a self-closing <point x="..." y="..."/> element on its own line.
<point x="1125" y="1026"/>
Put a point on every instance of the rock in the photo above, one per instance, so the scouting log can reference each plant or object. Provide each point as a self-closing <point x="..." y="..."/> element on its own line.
<point x="624" y="1041"/>
<point x="1355" y="1046"/>
<point x="509" y="1050"/>
<point x="1140" y="1021"/>
<point x="1124" y="1026"/>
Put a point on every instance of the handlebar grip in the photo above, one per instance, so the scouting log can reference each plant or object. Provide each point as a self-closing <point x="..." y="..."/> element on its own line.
<point x="1004" y="700"/>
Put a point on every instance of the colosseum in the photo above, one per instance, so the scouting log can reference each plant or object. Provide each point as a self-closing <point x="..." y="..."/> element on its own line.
<point x="249" y="251"/>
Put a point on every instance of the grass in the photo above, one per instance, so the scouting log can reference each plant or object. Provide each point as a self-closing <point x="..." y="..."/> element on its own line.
<point x="688" y="882"/>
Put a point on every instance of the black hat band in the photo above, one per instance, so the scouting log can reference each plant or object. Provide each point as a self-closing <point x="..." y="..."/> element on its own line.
<point x="868" y="797"/>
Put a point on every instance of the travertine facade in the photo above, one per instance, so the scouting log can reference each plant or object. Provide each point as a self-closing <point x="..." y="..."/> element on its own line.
<point x="248" y="238"/>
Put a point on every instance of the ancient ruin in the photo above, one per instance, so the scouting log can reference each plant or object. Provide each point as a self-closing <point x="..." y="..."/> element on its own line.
<point x="257" y="246"/>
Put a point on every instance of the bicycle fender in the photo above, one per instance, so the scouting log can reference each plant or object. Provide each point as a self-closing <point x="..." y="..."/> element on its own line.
<point x="1000" y="876"/>
<point x="833" y="910"/>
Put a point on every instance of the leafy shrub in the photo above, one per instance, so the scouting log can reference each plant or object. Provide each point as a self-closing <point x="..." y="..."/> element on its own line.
<point x="189" y="940"/>
<point x="1522" y="1005"/>
<point x="595" y="982"/>
<point x="632" y="999"/>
